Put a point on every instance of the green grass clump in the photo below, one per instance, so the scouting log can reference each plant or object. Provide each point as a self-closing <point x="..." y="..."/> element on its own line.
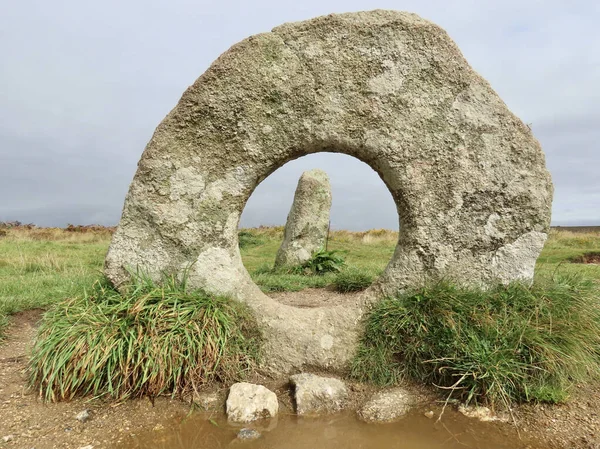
<point x="318" y="272"/>
<point x="505" y="344"/>
<point x="352" y="280"/>
<point x="148" y="341"/>
<point x="247" y="239"/>
<point x="290" y="282"/>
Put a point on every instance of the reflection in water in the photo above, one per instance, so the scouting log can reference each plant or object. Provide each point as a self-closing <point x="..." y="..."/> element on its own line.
<point x="336" y="432"/>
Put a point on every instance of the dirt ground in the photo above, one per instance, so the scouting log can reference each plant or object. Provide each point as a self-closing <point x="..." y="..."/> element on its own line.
<point x="313" y="297"/>
<point x="28" y="423"/>
<point x="592" y="258"/>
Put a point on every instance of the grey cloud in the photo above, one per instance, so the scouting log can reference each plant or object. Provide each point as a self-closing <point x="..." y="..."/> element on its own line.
<point x="360" y="198"/>
<point x="84" y="84"/>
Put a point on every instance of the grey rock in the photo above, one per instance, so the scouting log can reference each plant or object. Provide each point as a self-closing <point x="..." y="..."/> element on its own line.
<point x="318" y="395"/>
<point x="308" y="221"/>
<point x="386" y="406"/>
<point x="248" y="402"/>
<point x="83" y="416"/>
<point x="248" y="434"/>
<point x="468" y="177"/>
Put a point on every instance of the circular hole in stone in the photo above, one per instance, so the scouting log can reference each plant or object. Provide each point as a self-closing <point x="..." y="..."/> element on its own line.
<point x="363" y="230"/>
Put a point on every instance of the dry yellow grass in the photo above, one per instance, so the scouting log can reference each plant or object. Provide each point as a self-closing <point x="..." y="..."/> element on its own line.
<point x="365" y="237"/>
<point x="55" y="235"/>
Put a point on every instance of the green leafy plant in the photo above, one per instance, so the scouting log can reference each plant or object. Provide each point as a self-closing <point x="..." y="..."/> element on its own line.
<point x="147" y="341"/>
<point x="323" y="261"/>
<point x="507" y="343"/>
<point x="352" y="280"/>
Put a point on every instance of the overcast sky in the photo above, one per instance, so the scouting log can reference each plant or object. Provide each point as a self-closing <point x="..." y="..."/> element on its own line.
<point x="83" y="85"/>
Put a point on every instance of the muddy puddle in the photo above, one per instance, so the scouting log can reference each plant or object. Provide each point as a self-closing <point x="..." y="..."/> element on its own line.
<point x="416" y="431"/>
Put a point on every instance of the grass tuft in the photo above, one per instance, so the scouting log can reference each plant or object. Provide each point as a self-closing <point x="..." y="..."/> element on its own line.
<point x="247" y="239"/>
<point x="505" y="344"/>
<point x="352" y="280"/>
<point x="148" y="341"/>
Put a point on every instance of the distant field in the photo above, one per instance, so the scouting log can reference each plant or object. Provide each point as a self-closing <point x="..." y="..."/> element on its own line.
<point x="39" y="266"/>
<point x="584" y="229"/>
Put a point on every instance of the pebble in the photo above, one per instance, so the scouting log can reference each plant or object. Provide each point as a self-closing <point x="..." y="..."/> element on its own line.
<point x="7" y="438"/>
<point x="429" y="414"/>
<point x="248" y="434"/>
<point x="83" y="416"/>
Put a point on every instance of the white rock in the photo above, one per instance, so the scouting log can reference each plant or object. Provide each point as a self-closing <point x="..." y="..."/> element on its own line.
<point x="315" y="394"/>
<point x="481" y="413"/>
<point x="7" y="438"/>
<point x="83" y="416"/>
<point x="248" y="402"/>
<point x="387" y="405"/>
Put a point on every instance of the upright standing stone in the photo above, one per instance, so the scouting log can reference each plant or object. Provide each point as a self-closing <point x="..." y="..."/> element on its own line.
<point x="308" y="221"/>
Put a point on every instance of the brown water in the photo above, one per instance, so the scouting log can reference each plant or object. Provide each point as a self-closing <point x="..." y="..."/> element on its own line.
<point x="341" y="431"/>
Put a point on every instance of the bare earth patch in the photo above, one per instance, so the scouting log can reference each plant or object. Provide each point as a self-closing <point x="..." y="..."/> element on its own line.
<point x="593" y="258"/>
<point x="314" y="297"/>
<point x="573" y="425"/>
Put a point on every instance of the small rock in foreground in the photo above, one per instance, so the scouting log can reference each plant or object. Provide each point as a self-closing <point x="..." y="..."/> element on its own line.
<point x="248" y="434"/>
<point x="483" y="414"/>
<point x="315" y="394"/>
<point x="7" y="438"/>
<point x="386" y="406"/>
<point x="248" y="402"/>
<point x="83" y="416"/>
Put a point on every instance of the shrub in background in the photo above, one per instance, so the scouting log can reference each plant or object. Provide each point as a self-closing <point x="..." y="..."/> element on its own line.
<point x="508" y="343"/>
<point x="149" y="340"/>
